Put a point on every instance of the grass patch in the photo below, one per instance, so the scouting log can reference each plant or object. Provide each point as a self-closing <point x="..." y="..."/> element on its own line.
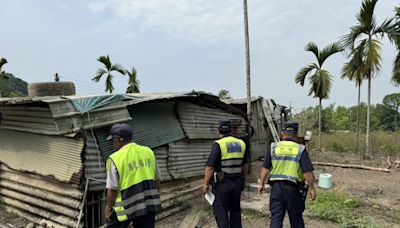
<point x="339" y="208"/>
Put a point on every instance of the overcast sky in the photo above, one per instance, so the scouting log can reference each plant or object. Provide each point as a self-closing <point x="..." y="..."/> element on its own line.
<point x="183" y="45"/>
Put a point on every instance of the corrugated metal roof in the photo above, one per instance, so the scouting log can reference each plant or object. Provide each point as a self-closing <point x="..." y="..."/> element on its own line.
<point x="154" y="124"/>
<point x="94" y="164"/>
<point x="137" y="98"/>
<point x="187" y="158"/>
<point x="241" y="100"/>
<point x="162" y="161"/>
<point x="58" y="115"/>
<point x="46" y="155"/>
<point x="200" y="122"/>
<point x="39" y="199"/>
<point x="25" y="118"/>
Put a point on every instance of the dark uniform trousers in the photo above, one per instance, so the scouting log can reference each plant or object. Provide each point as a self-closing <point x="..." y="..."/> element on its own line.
<point x="286" y="196"/>
<point x="227" y="203"/>
<point x="145" y="221"/>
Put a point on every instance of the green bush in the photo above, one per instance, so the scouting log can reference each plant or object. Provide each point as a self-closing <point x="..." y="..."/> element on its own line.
<point x="381" y="142"/>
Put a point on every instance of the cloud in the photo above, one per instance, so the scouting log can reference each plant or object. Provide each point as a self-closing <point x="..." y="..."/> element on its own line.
<point x="192" y="20"/>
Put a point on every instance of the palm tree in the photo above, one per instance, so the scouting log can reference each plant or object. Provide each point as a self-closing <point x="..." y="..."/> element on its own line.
<point x="394" y="36"/>
<point x="3" y="74"/>
<point x="133" y="83"/>
<point x="353" y="71"/>
<point x="365" y="37"/>
<point x="320" y="79"/>
<point x="3" y="62"/>
<point x="108" y="69"/>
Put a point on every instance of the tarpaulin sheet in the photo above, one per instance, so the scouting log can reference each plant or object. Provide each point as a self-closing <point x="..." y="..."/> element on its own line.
<point x="87" y="104"/>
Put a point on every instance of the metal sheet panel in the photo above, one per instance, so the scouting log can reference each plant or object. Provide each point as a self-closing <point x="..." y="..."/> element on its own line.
<point x="262" y="136"/>
<point x="39" y="199"/>
<point x="154" y="124"/>
<point x="55" y="156"/>
<point x="200" y="122"/>
<point x="94" y="164"/>
<point x="28" y="118"/>
<point x="187" y="158"/>
<point x="162" y="162"/>
<point x="70" y="120"/>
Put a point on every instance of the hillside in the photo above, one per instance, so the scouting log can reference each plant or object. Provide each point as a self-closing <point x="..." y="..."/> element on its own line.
<point x="12" y="86"/>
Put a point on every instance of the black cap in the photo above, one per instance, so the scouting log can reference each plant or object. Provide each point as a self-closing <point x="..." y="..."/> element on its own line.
<point x="225" y="124"/>
<point x="290" y="127"/>
<point x="123" y="131"/>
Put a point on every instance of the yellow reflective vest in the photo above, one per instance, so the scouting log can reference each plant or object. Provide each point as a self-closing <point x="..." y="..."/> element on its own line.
<point x="285" y="158"/>
<point x="232" y="154"/>
<point x="137" y="192"/>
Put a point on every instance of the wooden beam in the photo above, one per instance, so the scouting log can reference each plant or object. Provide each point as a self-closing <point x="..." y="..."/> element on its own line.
<point x="352" y="166"/>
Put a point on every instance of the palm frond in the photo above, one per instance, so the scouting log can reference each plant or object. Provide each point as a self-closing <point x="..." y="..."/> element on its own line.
<point x="320" y="84"/>
<point x="301" y="75"/>
<point x="133" y="82"/>
<point x="3" y="61"/>
<point x="100" y="72"/>
<point x="105" y="59"/>
<point x="131" y="73"/>
<point x="117" y="67"/>
<point x="109" y="85"/>
<point x="389" y="28"/>
<point x="348" y="41"/>
<point x="396" y="70"/>
<point x="354" y="69"/>
<point x="366" y="15"/>
<point x="373" y="56"/>
<point x="328" y="51"/>
<point x="312" y="47"/>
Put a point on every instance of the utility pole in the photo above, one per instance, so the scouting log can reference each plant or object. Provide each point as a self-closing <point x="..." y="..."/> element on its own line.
<point x="247" y="48"/>
<point x="248" y="82"/>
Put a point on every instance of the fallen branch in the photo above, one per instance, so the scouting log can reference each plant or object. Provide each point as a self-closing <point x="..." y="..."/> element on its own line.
<point x="352" y="166"/>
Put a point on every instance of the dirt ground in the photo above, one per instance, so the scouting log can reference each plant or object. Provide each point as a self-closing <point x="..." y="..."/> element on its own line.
<point x="379" y="192"/>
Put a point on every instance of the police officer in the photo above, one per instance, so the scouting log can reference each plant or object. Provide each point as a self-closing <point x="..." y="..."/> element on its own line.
<point x="132" y="183"/>
<point x="287" y="166"/>
<point x="228" y="160"/>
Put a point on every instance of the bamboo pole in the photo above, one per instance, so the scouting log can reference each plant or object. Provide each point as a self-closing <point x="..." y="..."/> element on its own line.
<point x="353" y="166"/>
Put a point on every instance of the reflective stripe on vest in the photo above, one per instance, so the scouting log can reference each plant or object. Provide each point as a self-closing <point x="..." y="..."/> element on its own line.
<point x="285" y="158"/>
<point x="137" y="193"/>
<point x="232" y="153"/>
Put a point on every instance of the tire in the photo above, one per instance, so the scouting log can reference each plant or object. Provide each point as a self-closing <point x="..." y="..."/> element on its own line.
<point x="43" y="89"/>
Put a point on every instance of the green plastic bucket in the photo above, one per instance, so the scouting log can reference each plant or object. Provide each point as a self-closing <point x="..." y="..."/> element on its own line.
<point x="325" y="180"/>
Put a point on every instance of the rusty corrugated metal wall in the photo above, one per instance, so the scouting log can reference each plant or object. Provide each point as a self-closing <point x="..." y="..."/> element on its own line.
<point x="28" y="118"/>
<point x="162" y="161"/>
<point x="94" y="164"/>
<point x="153" y="125"/>
<point x="39" y="199"/>
<point x="187" y="158"/>
<point x="261" y="140"/>
<point x="200" y="122"/>
<point x="55" y="156"/>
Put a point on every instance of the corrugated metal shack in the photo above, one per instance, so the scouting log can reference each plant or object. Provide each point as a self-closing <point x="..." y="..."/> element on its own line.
<point x="262" y="137"/>
<point x="51" y="146"/>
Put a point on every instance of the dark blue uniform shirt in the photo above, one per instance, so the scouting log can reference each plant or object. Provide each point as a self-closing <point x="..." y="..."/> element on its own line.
<point x="305" y="161"/>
